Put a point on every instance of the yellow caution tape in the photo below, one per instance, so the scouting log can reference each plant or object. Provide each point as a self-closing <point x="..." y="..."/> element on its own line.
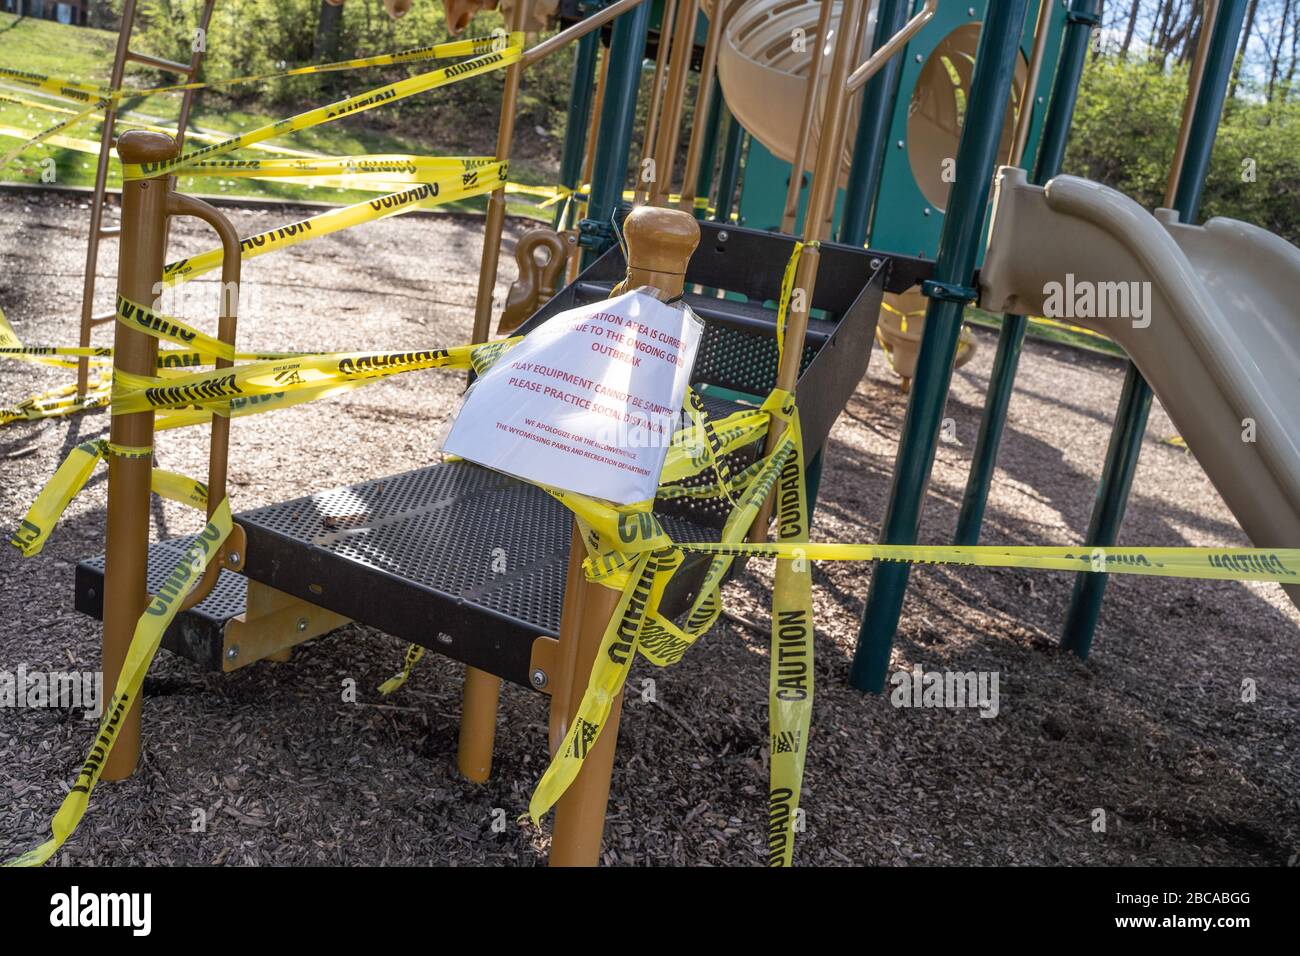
<point x="473" y="46"/>
<point x="169" y="328"/>
<point x="135" y="393"/>
<point x="413" y="654"/>
<point x="59" y="402"/>
<point x="76" y="90"/>
<point x="148" y="634"/>
<point x="425" y="196"/>
<point x="1277" y="565"/>
<point x="54" y="130"/>
<point x="71" y="478"/>
<point x="54" y="498"/>
<point x="57" y="85"/>
<point x="362" y="102"/>
<point x="790" y="680"/>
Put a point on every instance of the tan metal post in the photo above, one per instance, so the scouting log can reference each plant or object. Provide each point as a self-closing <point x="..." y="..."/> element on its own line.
<point x="97" y="199"/>
<point x="478" y="724"/>
<point x="144" y="217"/>
<point x="842" y="131"/>
<point x="1025" y="114"/>
<point x="670" y="123"/>
<point x="659" y="245"/>
<point x="645" y="191"/>
<point x="496" y="210"/>
<point x="703" y="103"/>
<point x="825" y="181"/>
<point x="478" y="718"/>
<point x="795" y="186"/>
<point x="1210" y="12"/>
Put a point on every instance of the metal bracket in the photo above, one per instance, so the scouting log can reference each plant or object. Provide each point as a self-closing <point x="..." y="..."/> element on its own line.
<point x="949" y="291"/>
<point x="596" y="234"/>
<point x="1088" y="17"/>
<point x="235" y="549"/>
<point x="271" y="624"/>
<point x="543" y="664"/>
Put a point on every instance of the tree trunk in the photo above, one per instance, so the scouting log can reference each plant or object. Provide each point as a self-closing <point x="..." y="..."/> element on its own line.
<point x="1128" y="31"/>
<point x="1276" y="65"/>
<point x="1155" y="25"/>
<point x="1295" y="49"/>
<point x="1251" y="10"/>
<point x="1193" y="34"/>
<point x="328" y="28"/>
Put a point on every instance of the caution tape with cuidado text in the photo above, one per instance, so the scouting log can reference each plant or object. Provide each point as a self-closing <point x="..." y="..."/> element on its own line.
<point x="627" y="549"/>
<point x="490" y="53"/>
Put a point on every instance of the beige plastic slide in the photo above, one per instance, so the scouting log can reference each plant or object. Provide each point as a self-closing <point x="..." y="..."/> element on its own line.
<point x="764" y="76"/>
<point x="1209" y="314"/>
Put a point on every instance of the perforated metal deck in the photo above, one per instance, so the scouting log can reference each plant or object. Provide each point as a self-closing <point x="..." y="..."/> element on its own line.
<point x="463" y="560"/>
<point x="472" y="563"/>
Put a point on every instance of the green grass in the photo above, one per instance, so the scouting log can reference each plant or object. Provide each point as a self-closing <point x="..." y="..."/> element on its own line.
<point x="84" y="54"/>
<point x="1048" y="333"/>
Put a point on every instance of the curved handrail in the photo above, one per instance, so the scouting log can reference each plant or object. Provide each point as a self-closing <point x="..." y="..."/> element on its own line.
<point x="231" y="553"/>
<point x="871" y="66"/>
<point x="577" y="31"/>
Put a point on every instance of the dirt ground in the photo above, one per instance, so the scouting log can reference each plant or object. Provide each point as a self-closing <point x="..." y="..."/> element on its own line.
<point x="1152" y="729"/>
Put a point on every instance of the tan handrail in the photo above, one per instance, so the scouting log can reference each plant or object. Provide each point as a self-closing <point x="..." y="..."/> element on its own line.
<point x="577" y="31"/>
<point x="858" y="78"/>
<point x="820" y="199"/>
<point x="1026" y="112"/>
<point x="231" y="554"/>
<point x="703" y="103"/>
<point x="795" y="186"/>
<point x="1211" y="8"/>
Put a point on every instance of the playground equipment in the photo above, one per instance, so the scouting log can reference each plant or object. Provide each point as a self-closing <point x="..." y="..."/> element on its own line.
<point x="1241" y="380"/>
<point x="899" y="332"/>
<point x="904" y="136"/>
<point x="1215" y="370"/>
<point x="396" y="553"/>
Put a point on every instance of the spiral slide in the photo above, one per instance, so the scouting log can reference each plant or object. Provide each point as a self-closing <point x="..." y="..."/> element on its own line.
<point x="1209" y="314"/>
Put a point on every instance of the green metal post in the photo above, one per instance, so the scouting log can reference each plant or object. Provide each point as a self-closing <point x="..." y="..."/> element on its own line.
<point x="729" y="174"/>
<point x="1108" y="509"/>
<point x="1135" y="402"/>
<point x="873" y="128"/>
<point x="704" y="181"/>
<point x="575" y="127"/>
<point x="614" y="138"/>
<point x="1080" y="19"/>
<point x="995" y="61"/>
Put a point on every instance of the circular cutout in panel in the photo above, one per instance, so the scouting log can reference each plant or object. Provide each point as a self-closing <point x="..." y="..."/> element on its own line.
<point x="938" y="109"/>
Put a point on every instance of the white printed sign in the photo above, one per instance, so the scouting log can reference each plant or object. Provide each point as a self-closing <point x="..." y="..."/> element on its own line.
<point x="588" y="402"/>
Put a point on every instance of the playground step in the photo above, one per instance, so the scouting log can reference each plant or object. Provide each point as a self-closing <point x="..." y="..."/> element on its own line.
<point x="471" y="563"/>
<point x="465" y="561"/>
